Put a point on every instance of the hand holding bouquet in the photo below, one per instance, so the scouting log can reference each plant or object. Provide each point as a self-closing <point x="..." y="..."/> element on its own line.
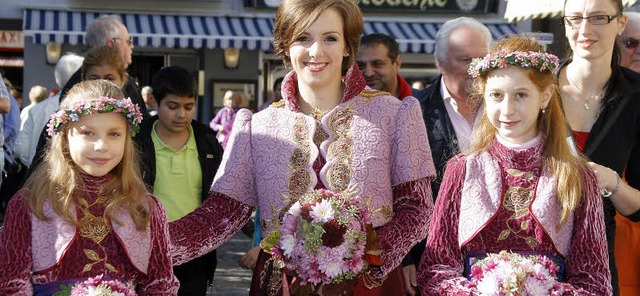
<point x="511" y="274"/>
<point x="325" y="238"/>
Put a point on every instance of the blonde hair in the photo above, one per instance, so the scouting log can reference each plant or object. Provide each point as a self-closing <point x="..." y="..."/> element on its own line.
<point x="295" y="16"/>
<point x="567" y="168"/>
<point x="57" y="179"/>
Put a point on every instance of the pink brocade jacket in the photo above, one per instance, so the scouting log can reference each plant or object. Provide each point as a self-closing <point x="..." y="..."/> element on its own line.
<point x="371" y="142"/>
<point x="505" y="199"/>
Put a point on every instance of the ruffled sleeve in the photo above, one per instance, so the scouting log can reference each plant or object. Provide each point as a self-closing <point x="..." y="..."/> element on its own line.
<point x="411" y="172"/>
<point x="160" y="278"/>
<point x="15" y="248"/>
<point x="441" y="267"/>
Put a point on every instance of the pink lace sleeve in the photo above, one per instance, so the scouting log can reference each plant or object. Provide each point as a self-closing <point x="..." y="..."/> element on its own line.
<point x="412" y="209"/>
<point x="15" y="248"/>
<point x="206" y="228"/>
<point x="441" y="267"/>
<point x="160" y="278"/>
<point x="588" y="263"/>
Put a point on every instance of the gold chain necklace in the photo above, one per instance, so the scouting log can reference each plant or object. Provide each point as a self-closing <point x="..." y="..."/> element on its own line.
<point x="586" y="99"/>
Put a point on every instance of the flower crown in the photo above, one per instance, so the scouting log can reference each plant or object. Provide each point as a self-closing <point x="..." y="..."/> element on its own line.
<point x="524" y="59"/>
<point x="129" y="110"/>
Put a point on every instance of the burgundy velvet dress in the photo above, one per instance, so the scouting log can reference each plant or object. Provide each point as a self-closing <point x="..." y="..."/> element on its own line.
<point x="514" y="210"/>
<point x="124" y="255"/>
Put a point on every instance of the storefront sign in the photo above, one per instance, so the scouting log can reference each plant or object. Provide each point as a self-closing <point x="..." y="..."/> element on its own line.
<point x="11" y="39"/>
<point x="418" y="6"/>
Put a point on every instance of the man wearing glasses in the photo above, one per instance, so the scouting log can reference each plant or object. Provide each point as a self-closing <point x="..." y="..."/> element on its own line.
<point x="628" y="42"/>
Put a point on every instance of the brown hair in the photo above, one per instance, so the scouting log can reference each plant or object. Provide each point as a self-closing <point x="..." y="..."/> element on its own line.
<point x="57" y="178"/>
<point x="296" y="16"/>
<point x="557" y="154"/>
<point x="104" y="55"/>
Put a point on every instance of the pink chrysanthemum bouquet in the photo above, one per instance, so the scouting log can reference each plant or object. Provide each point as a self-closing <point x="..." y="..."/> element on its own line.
<point x="511" y="274"/>
<point x="325" y="238"/>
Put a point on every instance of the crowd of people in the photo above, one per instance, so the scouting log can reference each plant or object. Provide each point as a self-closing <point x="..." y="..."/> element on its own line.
<point x="509" y="149"/>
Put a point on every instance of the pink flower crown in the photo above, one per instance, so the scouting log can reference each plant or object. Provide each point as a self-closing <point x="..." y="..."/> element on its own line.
<point x="524" y="59"/>
<point x="128" y="109"/>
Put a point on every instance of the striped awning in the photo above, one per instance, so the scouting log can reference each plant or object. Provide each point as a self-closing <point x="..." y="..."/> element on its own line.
<point x="178" y="31"/>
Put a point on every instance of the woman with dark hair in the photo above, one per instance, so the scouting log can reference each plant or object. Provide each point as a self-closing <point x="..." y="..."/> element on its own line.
<point x="600" y="101"/>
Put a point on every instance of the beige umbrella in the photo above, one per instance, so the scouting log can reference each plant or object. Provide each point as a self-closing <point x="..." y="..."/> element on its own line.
<point x="518" y="10"/>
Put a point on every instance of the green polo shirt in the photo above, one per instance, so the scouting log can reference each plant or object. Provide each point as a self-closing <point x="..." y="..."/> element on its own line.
<point x="178" y="182"/>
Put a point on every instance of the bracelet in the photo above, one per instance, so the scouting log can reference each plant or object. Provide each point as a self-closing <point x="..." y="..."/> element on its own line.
<point x="606" y="193"/>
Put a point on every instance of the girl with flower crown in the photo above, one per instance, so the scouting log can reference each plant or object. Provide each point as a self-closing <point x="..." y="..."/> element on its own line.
<point x="519" y="188"/>
<point x="85" y="211"/>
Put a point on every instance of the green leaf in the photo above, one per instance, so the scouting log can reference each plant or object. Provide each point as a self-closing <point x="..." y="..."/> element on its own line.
<point x="273" y="239"/>
<point x="524" y="225"/>
<point x="87" y="267"/>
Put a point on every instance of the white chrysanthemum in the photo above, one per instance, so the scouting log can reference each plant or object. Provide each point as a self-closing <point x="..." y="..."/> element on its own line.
<point x="287" y="243"/>
<point x="489" y="285"/>
<point x="536" y="287"/>
<point x="321" y="212"/>
<point x="295" y="209"/>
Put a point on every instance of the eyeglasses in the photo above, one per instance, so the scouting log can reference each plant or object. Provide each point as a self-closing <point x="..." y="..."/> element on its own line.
<point x="129" y="40"/>
<point x="575" y="20"/>
<point x="631" y="43"/>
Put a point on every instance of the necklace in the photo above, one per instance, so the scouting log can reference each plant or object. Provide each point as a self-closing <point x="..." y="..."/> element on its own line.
<point x="586" y="99"/>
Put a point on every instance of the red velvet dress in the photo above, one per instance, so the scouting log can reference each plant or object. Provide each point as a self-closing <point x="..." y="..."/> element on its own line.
<point x="513" y="227"/>
<point x="83" y="253"/>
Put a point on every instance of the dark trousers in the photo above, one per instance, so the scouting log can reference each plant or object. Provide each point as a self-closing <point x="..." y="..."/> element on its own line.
<point x="196" y="275"/>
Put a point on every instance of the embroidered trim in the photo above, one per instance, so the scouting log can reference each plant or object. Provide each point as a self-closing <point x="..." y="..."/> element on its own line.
<point x="517" y="200"/>
<point x="339" y="174"/>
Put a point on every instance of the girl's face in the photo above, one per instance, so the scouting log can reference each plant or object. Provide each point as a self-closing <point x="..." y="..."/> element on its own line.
<point x="96" y="142"/>
<point x="317" y="54"/>
<point x="106" y="72"/>
<point x="513" y="102"/>
<point x="589" y="41"/>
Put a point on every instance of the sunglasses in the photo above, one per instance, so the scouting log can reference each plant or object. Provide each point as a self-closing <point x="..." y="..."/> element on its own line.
<point x="631" y="43"/>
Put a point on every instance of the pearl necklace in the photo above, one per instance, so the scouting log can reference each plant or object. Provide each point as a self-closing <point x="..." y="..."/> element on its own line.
<point x="585" y="98"/>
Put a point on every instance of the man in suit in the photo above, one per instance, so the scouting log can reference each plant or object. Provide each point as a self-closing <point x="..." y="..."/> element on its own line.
<point x="448" y="109"/>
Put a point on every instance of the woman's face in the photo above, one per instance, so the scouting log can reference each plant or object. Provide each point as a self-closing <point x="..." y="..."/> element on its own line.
<point x="316" y="56"/>
<point x="106" y="72"/>
<point x="589" y="41"/>
<point x="513" y="103"/>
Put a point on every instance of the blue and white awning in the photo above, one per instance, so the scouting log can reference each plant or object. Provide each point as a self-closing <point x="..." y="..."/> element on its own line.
<point x="154" y="30"/>
<point x="255" y="32"/>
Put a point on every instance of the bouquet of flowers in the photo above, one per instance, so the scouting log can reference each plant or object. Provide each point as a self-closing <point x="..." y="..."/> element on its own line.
<point x="325" y="238"/>
<point x="511" y="274"/>
<point x="97" y="287"/>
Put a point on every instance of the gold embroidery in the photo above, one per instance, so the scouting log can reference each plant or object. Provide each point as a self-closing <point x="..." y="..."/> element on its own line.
<point x="517" y="200"/>
<point x="95" y="229"/>
<point x="368" y="94"/>
<point x="278" y="104"/>
<point x="339" y="176"/>
<point x="339" y="173"/>
<point x="320" y="135"/>
<point x="386" y="212"/>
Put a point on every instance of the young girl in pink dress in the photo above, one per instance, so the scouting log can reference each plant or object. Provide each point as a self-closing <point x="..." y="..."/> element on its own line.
<point x="519" y="188"/>
<point x="85" y="211"/>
